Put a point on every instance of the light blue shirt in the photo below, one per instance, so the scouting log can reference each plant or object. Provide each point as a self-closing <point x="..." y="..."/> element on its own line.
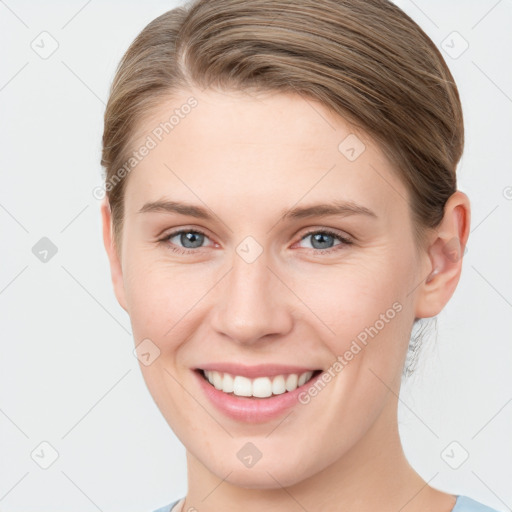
<point x="463" y="504"/>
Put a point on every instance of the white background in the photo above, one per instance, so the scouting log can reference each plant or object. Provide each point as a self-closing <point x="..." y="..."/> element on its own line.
<point x="68" y="374"/>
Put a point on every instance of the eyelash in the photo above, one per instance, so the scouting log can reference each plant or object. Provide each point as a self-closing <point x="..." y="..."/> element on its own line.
<point x="343" y="240"/>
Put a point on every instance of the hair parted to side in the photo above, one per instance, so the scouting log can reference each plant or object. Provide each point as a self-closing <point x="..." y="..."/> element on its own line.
<point x="365" y="60"/>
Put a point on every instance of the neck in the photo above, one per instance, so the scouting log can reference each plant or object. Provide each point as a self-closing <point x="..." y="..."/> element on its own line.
<point x="373" y="475"/>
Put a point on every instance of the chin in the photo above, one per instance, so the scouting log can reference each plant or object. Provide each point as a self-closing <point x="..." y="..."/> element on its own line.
<point x="262" y="476"/>
<point x="261" y="479"/>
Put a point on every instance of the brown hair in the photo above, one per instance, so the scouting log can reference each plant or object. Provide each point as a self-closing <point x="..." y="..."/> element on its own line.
<point x="365" y="60"/>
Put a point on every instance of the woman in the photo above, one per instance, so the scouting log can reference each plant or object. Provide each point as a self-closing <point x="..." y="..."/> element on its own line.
<point x="281" y="209"/>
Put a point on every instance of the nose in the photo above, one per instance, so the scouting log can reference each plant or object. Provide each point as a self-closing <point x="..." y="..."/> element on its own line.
<point x="252" y="303"/>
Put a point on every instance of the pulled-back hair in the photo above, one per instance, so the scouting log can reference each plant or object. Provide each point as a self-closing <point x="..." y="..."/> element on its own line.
<point x="365" y="60"/>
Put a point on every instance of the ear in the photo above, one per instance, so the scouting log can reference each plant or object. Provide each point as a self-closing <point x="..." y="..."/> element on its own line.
<point x="116" y="270"/>
<point x="445" y="253"/>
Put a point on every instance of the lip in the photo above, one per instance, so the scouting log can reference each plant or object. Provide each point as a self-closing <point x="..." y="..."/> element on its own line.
<point x="250" y="409"/>
<point x="251" y="372"/>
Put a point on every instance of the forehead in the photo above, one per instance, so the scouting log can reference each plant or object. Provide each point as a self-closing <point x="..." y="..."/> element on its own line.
<point x="269" y="148"/>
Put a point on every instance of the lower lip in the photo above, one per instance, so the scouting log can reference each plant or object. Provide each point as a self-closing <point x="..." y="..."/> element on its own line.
<point x="252" y="410"/>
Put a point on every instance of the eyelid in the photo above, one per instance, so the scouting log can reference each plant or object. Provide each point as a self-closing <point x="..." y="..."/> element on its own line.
<point x="174" y="231"/>
<point x="344" y="239"/>
<point x="344" y="236"/>
<point x="164" y="238"/>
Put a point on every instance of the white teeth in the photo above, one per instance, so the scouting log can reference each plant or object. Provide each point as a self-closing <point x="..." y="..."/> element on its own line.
<point x="242" y="386"/>
<point x="217" y="380"/>
<point x="302" y="379"/>
<point x="261" y="387"/>
<point x="228" y="383"/>
<point x="291" y="382"/>
<point x="278" y="385"/>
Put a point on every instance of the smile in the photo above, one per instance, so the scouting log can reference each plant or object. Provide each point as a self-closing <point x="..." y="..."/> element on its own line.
<point x="254" y="394"/>
<point x="260" y="387"/>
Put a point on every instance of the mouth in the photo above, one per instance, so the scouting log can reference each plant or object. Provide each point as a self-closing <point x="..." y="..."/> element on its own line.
<point x="259" y="387"/>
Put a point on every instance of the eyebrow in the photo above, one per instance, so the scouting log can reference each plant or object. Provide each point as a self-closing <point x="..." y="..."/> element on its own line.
<point x="341" y="208"/>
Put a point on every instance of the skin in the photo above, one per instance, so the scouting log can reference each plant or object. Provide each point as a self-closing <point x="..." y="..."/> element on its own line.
<point x="248" y="158"/>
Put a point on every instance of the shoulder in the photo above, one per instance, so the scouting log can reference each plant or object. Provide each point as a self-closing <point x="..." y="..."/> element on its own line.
<point x="466" y="504"/>
<point x="167" y="508"/>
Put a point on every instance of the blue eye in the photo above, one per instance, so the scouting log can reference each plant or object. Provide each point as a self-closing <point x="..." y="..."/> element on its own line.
<point x="191" y="240"/>
<point x="321" y="238"/>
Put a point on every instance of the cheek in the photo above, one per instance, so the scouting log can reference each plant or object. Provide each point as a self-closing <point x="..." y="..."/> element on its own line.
<point x="149" y="294"/>
<point x="362" y="313"/>
<point x="349" y="298"/>
<point x="163" y="297"/>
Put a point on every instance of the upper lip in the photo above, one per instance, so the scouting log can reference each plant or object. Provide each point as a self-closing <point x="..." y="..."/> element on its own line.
<point x="260" y="370"/>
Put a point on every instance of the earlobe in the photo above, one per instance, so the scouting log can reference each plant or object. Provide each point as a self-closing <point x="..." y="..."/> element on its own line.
<point x="116" y="271"/>
<point x="445" y="255"/>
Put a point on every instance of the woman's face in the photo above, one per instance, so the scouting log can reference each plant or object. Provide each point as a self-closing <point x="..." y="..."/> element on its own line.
<point x="267" y="288"/>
